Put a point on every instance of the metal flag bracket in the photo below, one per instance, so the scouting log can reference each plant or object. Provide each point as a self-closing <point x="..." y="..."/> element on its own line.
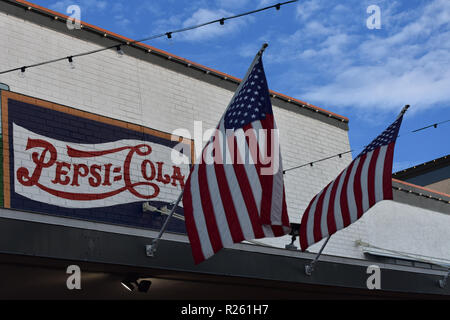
<point x="150" y="249"/>
<point x="309" y="268"/>
<point x="443" y="282"/>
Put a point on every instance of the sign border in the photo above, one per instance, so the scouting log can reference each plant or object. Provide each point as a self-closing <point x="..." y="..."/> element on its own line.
<point x="6" y="95"/>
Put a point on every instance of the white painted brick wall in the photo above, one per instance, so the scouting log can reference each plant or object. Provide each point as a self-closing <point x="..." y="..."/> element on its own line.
<point x="133" y="90"/>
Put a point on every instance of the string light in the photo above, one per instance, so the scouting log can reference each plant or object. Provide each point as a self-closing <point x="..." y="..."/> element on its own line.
<point x="166" y="34"/>
<point x="119" y="51"/>
<point x="72" y="65"/>
<point x="22" y="72"/>
<point x="342" y="153"/>
<point x="434" y="125"/>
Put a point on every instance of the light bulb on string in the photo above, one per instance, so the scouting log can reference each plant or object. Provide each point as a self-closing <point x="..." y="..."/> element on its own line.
<point x="22" y="72"/>
<point x="169" y="37"/>
<point x="119" y="51"/>
<point x="71" y="64"/>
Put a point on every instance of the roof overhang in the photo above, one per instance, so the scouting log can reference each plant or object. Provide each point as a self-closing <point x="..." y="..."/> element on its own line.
<point x="34" y="246"/>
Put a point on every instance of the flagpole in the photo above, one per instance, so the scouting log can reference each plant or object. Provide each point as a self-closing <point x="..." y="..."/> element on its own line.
<point x="309" y="268"/>
<point x="403" y="111"/>
<point x="150" y="249"/>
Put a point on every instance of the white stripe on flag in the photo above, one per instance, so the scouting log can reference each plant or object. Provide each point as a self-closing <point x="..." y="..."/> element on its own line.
<point x="351" y="192"/>
<point x="250" y="169"/>
<point x="323" y="218"/>
<point x="379" y="170"/>
<point x="261" y="137"/>
<point x="310" y="224"/>
<point x="277" y="181"/>
<point x="337" y="202"/>
<point x="236" y="195"/>
<point x="365" y="181"/>
<point x="216" y="200"/>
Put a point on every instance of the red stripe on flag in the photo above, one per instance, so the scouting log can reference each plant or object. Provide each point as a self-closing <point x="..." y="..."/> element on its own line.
<point x="279" y="230"/>
<point x="208" y="209"/>
<point x="250" y="203"/>
<point x="357" y="186"/>
<point x="284" y="214"/>
<point x="228" y="205"/>
<point x="317" y="230"/>
<point x="371" y="176"/>
<point x="194" y="240"/>
<point x="267" y="180"/>
<point x="387" y="172"/>
<point x="331" y="218"/>
<point x="225" y="195"/>
<point x="254" y="149"/>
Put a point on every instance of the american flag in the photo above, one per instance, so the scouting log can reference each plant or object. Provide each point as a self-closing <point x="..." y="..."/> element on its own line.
<point x="234" y="192"/>
<point x="366" y="181"/>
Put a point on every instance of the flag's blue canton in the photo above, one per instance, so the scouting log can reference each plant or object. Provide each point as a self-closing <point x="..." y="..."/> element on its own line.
<point x="389" y="135"/>
<point x="252" y="102"/>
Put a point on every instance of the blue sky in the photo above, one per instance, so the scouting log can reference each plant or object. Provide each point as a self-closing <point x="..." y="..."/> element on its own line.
<point x="321" y="51"/>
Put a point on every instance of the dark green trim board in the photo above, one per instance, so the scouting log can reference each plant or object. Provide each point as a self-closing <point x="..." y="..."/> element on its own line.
<point x="2" y="87"/>
<point x="242" y="265"/>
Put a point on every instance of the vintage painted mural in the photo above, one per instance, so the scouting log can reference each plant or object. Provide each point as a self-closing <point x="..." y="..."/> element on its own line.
<point x="65" y="162"/>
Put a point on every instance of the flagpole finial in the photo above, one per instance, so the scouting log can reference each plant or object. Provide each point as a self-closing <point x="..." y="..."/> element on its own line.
<point x="264" y="46"/>
<point x="403" y="110"/>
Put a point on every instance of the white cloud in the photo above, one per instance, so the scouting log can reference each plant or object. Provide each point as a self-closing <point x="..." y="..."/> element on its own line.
<point x="249" y="50"/>
<point x="121" y="20"/>
<point x="213" y="30"/>
<point x="406" y="63"/>
<point x="307" y="8"/>
<point x="62" y="5"/>
<point x="231" y="4"/>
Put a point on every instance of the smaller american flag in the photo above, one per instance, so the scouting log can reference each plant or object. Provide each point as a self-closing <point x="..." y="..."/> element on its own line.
<point x="366" y="181"/>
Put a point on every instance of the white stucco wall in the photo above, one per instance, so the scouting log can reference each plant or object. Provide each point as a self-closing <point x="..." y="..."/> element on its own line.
<point x="137" y="91"/>
<point x="407" y="229"/>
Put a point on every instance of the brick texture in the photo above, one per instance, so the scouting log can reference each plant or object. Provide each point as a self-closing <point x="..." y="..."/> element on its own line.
<point x="137" y="91"/>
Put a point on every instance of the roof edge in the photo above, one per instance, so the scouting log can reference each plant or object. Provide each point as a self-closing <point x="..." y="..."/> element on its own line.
<point x="419" y="168"/>
<point x="428" y="193"/>
<point x="150" y="49"/>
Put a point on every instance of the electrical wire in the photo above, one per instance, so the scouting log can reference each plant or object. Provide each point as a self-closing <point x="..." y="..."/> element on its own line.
<point x="311" y="163"/>
<point x="165" y="34"/>
<point x="169" y="35"/>
<point x="431" y="125"/>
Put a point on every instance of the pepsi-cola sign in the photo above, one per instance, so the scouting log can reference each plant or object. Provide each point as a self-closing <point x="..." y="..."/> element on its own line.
<point x="67" y="162"/>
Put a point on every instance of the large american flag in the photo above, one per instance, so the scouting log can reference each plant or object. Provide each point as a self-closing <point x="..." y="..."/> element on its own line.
<point x="367" y="180"/>
<point x="233" y="193"/>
